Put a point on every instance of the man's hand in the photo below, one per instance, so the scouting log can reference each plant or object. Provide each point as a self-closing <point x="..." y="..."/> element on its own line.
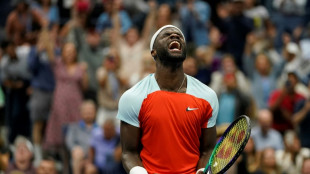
<point x="200" y="171"/>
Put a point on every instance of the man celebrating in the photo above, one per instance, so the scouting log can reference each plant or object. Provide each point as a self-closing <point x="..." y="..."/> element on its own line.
<point x="168" y="118"/>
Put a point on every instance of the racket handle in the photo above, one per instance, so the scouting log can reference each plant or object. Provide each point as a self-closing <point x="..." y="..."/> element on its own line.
<point x="208" y="171"/>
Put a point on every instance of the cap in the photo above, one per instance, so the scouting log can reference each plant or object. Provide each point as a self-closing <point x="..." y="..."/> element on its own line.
<point x="292" y="48"/>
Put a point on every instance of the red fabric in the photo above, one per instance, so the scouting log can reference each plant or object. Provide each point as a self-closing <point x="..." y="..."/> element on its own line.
<point x="170" y="133"/>
<point x="288" y="104"/>
<point x="82" y="6"/>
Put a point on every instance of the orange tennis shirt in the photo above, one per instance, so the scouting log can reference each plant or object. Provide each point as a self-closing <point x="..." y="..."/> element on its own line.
<point x="170" y="122"/>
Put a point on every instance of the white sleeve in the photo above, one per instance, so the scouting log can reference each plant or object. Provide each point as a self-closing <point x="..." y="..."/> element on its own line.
<point x="215" y="109"/>
<point x="128" y="109"/>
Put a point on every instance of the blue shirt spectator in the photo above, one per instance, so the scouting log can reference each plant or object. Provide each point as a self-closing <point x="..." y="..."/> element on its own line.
<point x="263" y="135"/>
<point x="104" y="21"/>
<point x="52" y="14"/>
<point x="43" y="77"/>
<point x="195" y="17"/>
<point x="103" y="144"/>
<point x="78" y="134"/>
<point x="263" y="75"/>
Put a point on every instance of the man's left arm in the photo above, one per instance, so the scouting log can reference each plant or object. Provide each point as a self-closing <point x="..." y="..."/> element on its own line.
<point x="207" y="143"/>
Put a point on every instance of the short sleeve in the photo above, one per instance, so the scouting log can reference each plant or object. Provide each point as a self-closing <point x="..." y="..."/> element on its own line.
<point x="128" y="109"/>
<point x="200" y="90"/>
<point x="215" y="109"/>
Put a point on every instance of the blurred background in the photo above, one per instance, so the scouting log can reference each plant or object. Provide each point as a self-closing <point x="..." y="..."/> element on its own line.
<point x="65" y="63"/>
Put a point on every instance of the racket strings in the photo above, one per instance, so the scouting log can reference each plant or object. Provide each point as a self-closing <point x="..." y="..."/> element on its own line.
<point x="230" y="145"/>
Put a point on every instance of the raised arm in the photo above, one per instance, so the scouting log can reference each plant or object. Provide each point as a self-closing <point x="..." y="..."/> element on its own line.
<point x="116" y="33"/>
<point x="149" y="22"/>
<point x="207" y="143"/>
<point x="47" y="43"/>
<point x="130" y="140"/>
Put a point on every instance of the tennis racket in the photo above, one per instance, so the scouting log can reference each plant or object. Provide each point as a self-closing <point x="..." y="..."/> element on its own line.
<point x="229" y="146"/>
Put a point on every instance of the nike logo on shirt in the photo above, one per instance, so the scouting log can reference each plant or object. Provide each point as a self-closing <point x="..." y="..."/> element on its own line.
<point x="191" y="109"/>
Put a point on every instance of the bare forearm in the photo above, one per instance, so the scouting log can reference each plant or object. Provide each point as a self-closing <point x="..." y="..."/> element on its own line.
<point x="131" y="160"/>
<point x="85" y="81"/>
<point x="207" y="145"/>
<point x="299" y="116"/>
<point x="91" y="154"/>
<point x="203" y="161"/>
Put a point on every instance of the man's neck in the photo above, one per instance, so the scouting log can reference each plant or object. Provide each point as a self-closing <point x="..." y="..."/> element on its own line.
<point x="169" y="78"/>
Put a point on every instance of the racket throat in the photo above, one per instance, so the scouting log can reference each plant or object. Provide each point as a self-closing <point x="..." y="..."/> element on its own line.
<point x="208" y="170"/>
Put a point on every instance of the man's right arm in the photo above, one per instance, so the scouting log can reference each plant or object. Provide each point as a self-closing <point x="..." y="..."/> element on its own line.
<point x="130" y="140"/>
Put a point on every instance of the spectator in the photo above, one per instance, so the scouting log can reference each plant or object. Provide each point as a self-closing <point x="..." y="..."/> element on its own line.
<point x="195" y="16"/>
<point x="49" y="13"/>
<point x="15" y="80"/>
<point x="306" y="166"/>
<point x="305" y="43"/>
<point x="288" y="16"/>
<point x="263" y="66"/>
<point x="232" y="102"/>
<point x="42" y="84"/>
<point x="190" y="66"/>
<point x="132" y="45"/>
<point x="263" y="75"/>
<point x="228" y="66"/>
<point x="47" y="166"/>
<point x="148" y="67"/>
<point x="5" y="9"/>
<point x="71" y="80"/>
<point x="165" y="16"/>
<point x="111" y="86"/>
<point x="90" y="169"/>
<point x="105" y="19"/>
<point x="249" y="159"/>
<point x="301" y="120"/>
<point x="268" y="163"/>
<point x="209" y="58"/>
<point x="4" y="156"/>
<point x="79" y="19"/>
<point x="88" y="43"/>
<point x="23" y="154"/>
<point x="291" y="158"/>
<point x="235" y="27"/>
<point x="258" y="13"/>
<point x="78" y="135"/>
<point x="64" y="11"/>
<point x="264" y="135"/>
<point x="137" y="11"/>
<point x="105" y="148"/>
<point x="20" y="23"/>
<point x="282" y="102"/>
<point x="204" y="63"/>
<point x="294" y="63"/>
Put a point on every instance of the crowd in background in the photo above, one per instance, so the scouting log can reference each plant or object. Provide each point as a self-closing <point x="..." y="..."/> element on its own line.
<point x="65" y="63"/>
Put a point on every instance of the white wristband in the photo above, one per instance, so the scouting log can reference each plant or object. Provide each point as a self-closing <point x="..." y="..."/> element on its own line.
<point x="137" y="170"/>
<point x="200" y="170"/>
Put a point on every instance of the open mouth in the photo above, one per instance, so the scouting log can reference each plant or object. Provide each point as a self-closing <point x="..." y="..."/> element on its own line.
<point x="174" y="46"/>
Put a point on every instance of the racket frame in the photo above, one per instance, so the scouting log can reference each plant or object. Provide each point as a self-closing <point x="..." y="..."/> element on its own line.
<point x="232" y="161"/>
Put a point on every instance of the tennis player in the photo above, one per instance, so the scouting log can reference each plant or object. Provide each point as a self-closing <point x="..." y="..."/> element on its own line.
<point x="168" y="118"/>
